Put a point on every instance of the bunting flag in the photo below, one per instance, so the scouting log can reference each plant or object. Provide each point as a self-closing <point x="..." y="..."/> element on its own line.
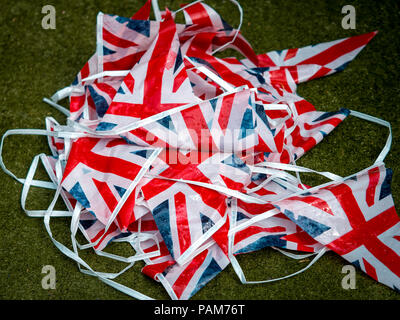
<point x="356" y="219"/>
<point x="187" y="156"/>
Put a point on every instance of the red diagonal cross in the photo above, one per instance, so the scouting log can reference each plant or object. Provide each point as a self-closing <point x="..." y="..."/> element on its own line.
<point x="81" y="152"/>
<point x="365" y="232"/>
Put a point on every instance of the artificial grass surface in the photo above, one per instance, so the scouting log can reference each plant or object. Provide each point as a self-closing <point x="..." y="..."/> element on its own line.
<point x="36" y="62"/>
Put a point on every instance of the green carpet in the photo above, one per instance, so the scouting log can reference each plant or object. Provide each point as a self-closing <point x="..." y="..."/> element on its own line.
<point x="36" y="62"/>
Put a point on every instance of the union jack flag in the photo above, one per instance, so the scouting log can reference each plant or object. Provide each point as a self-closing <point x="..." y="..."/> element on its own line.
<point x="98" y="173"/>
<point x="356" y="219"/>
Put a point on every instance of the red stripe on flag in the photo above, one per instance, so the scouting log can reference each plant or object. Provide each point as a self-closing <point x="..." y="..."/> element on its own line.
<point x="373" y="175"/>
<point x="370" y="270"/>
<point x="339" y="49"/>
<point x="151" y="270"/>
<point x="304" y="142"/>
<point x="107" y="89"/>
<point x="154" y="80"/>
<point x="77" y="103"/>
<point x="294" y="73"/>
<point x="129" y="82"/>
<point x="225" y="112"/>
<point x="291" y="53"/>
<point x="231" y="184"/>
<point x="182" y="222"/>
<point x="116" y="142"/>
<point x="125" y="63"/>
<point x="106" y="193"/>
<point x="85" y="71"/>
<point x="117" y="41"/>
<point x="240" y="44"/>
<point x="199" y="15"/>
<point x="81" y="153"/>
<point x="181" y="283"/>
<point x="278" y="79"/>
<point x="265" y="61"/>
<point x="254" y="208"/>
<point x="125" y="213"/>
<point x="198" y="129"/>
<point x="303" y="240"/>
<point x="144" y="12"/>
<point x="303" y="106"/>
<point x="320" y="73"/>
<point x="102" y="235"/>
<point x="163" y="249"/>
<point x="179" y="79"/>
<point x="145" y="225"/>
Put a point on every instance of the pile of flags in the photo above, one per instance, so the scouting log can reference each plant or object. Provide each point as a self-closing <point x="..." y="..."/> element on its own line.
<point x="191" y="158"/>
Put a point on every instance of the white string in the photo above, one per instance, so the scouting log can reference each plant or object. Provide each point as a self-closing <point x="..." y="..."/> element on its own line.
<point x="235" y="263"/>
<point x="57" y="106"/>
<point x="381" y="122"/>
<point x="237" y="29"/>
<point x="156" y="10"/>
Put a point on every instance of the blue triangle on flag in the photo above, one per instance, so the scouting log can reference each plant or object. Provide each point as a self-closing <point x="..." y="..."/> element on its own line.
<point x="259" y="76"/>
<point x="261" y="113"/>
<point x="266" y="241"/>
<point x="226" y="25"/>
<point x="213" y="103"/>
<point x="107" y="51"/>
<point x="86" y="224"/>
<point x="75" y="82"/>
<point x="161" y="217"/>
<point x="246" y="127"/>
<point x="258" y="176"/>
<point x="167" y="123"/>
<point x="120" y="190"/>
<point x="206" y="223"/>
<point x="329" y="114"/>
<point x="210" y="272"/>
<point x="312" y="227"/>
<point x="260" y="70"/>
<point x="342" y="67"/>
<point x="236" y="162"/>
<point x="122" y="235"/>
<point x="77" y="192"/>
<point x="178" y="60"/>
<point x="240" y="216"/>
<point x="356" y="263"/>
<point x="141" y="153"/>
<point x="385" y="189"/>
<point x="141" y="26"/>
<point x="99" y="101"/>
<point x="105" y="126"/>
<point x="121" y="91"/>
<point x="354" y="178"/>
